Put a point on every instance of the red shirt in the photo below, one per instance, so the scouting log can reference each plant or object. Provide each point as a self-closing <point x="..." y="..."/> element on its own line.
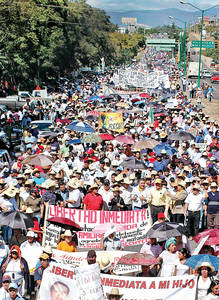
<point x="93" y="202"/>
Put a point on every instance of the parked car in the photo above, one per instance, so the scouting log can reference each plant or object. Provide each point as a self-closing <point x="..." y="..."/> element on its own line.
<point x="206" y="74"/>
<point x="5" y="157"/>
<point x="215" y="78"/>
<point x="212" y="64"/>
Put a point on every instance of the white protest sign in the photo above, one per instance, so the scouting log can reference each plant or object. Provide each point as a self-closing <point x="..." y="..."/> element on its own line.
<point x="88" y="283"/>
<point x="136" y="224"/>
<point x="151" y="288"/>
<point x="75" y="259"/>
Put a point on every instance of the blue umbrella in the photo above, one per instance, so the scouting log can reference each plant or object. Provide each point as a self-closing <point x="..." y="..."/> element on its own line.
<point x="139" y="102"/>
<point x="75" y="141"/>
<point x="196" y="261"/>
<point x="163" y="146"/>
<point x="95" y="98"/>
<point x="80" y="127"/>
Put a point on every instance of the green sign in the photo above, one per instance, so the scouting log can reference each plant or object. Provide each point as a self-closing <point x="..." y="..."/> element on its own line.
<point x="205" y="44"/>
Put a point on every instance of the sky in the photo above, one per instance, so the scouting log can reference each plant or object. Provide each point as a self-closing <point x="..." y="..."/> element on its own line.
<point x="124" y="5"/>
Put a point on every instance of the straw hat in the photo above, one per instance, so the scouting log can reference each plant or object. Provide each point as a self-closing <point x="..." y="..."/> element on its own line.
<point x="10" y="193"/>
<point x="2" y="181"/>
<point x="50" y="184"/>
<point x="127" y="180"/>
<point x="114" y="292"/>
<point x="119" y="177"/>
<point x="47" y="249"/>
<point x="73" y="184"/>
<point x="205" y="264"/>
<point x="67" y="233"/>
<point x="213" y="184"/>
<point x="94" y="186"/>
<point x="116" y="189"/>
<point x="197" y="187"/>
<point x="36" y="171"/>
<point x="105" y="261"/>
<point x="132" y="176"/>
<point x="163" y="135"/>
<point x="158" y="181"/>
<point x="29" y="210"/>
<point x="182" y="183"/>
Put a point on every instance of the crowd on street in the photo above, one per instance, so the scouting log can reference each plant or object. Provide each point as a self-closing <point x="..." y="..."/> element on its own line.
<point x="165" y="160"/>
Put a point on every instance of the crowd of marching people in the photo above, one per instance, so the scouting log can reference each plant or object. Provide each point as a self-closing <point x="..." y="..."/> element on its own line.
<point x="148" y="166"/>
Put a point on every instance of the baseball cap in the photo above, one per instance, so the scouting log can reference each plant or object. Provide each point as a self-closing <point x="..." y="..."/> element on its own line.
<point x="6" y="278"/>
<point x="161" y="216"/>
<point x="13" y="286"/>
<point x="30" y="234"/>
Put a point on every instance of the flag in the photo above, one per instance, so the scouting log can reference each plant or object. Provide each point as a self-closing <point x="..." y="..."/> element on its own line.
<point x="151" y="116"/>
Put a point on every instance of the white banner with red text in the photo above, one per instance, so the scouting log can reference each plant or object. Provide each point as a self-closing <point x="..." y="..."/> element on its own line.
<point x="151" y="288"/>
<point x="75" y="259"/>
<point x="136" y="224"/>
<point x="62" y="282"/>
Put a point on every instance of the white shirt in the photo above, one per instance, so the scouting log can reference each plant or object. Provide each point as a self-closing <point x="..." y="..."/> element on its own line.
<point x="170" y="260"/>
<point x="106" y="195"/>
<point x="203" y="288"/>
<point x="75" y="195"/>
<point x="194" y="201"/>
<point x="136" y="193"/>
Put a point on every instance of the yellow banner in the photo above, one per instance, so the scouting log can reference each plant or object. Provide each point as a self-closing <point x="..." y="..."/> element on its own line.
<point x="111" y="121"/>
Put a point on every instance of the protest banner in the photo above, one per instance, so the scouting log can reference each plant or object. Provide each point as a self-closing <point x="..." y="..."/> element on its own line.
<point x="75" y="259"/>
<point x="62" y="282"/>
<point x="151" y="288"/>
<point x="136" y="224"/>
<point x="111" y="121"/>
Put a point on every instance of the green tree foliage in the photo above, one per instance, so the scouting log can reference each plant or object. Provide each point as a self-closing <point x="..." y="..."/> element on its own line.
<point x="41" y="39"/>
<point x="126" y="46"/>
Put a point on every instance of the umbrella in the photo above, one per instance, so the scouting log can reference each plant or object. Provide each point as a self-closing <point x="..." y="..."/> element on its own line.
<point x="93" y="113"/>
<point x="106" y="137"/>
<point x="138" y="259"/>
<point x="144" y="95"/>
<point x="196" y="260"/>
<point x="103" y="228"/>
<point x="140" y="102"/>
<point x="122" y="104"/>
<point x="49" y="134"/>
<point x="133" y="163"/>
<point x="16" y="219"/>
<point x="91" y="118"/>
<point x="125" y="139"/>
<point x="40" y="160"/>
<point x="95" y="98"/>
<point x="65" y="221"/>
<point x="91" y="139"/>
<point x="74" y="141"/>
<point x="80" y="127"/>
<point x="213" y="238"/>
<point x="181" y="136"/>
<point x="163" y="146"/>
<point x="145" y="144"/>
<point x="164" y="231"/>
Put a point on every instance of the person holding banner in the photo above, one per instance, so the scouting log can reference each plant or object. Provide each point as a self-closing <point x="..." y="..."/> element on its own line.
<point x="110" y="242"/>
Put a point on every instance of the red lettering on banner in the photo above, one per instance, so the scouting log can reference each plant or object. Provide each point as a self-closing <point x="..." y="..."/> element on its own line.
<point x="123" y="217"/>
<point x="132" y="216"/>
<point x="137" y="284"/>
<point x="191" y="283"/>
<point x="185" y="285"/>
<point x="127" y="284"/>
<point x="143" y="285"/>
<point x="86" y="216"/>
<point x="152" y="285"/>
<point x="72" y="214"/>
<point x="70" y="274"/>
<point x="108" y="282"/>
<point x="122" y="283"/>
<point x="143" y="215"/>
<point x="116" y="283"/>
<point x="163" y="284"/>
<point x="132" y="284"/>
<point x="58" y="271"/>
<point x="93" y="216"/>
<point x="64" y="272"/>
<point x="52" y="211"/>
<point x="177" y="284"/>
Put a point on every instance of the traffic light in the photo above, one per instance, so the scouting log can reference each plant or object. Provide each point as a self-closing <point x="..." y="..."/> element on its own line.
<point x="216" y="44"/>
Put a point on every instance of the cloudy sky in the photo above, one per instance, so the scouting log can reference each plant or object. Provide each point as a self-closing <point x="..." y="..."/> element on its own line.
<point x="121" y="5"/>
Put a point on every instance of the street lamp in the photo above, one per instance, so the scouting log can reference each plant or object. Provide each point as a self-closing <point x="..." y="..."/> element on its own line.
<point x="200" y="50"/>
<point x="184" y="42"/>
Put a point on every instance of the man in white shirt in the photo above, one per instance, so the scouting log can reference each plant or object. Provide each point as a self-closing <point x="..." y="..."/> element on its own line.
<point x="193" y="207"/>
<point x="74" y="198"/>
<point x="139" y="195"/>
<point x="126" y="193"/>
<point x="106" y="193"/>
